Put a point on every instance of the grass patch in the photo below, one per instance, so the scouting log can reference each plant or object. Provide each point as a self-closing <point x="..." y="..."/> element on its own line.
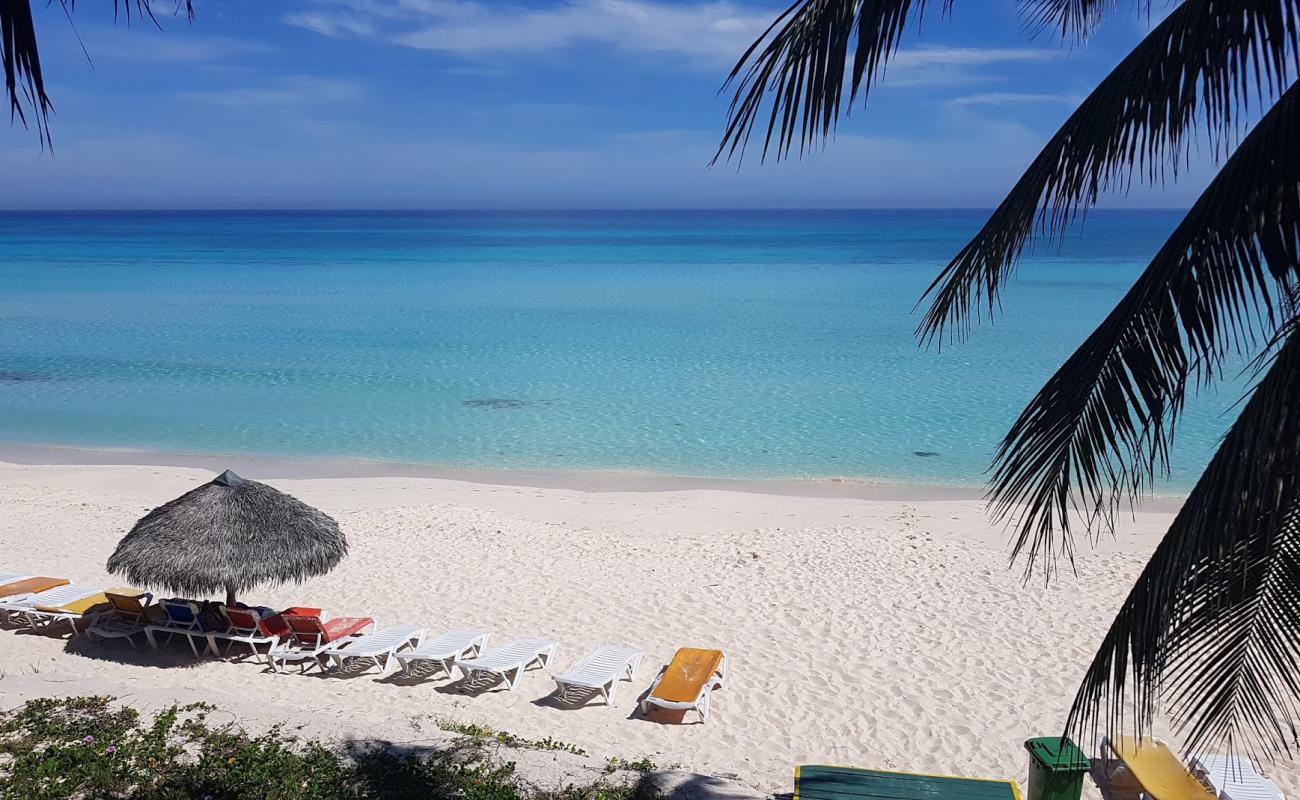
<point x="508" y="739"/>
<point x="87" y="748"/>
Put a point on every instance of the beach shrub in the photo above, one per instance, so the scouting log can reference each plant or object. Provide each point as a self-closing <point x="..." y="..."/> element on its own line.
<point x="86" y="747"/>
<point x="508" y="739"/>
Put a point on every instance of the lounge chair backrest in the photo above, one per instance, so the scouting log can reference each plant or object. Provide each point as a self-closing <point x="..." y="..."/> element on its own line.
<point x="275" y="625"/>
<point x="181" y="613"/>
<point x="688" y="672"/>
<point x="242" y="620"/>
<point x="128" y="604"/>
<point x="306" y="628"/>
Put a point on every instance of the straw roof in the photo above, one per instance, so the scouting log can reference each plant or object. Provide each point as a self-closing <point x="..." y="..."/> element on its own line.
<point x="230" y="534"/>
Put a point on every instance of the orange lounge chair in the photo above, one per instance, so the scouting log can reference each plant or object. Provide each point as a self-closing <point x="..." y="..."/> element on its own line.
<point x="29" y="585"/>
<point x="312" y="634"/>
<point x="688" y="681"/>
<point x="1160" y="772"/>
<point x="129" y="614"/>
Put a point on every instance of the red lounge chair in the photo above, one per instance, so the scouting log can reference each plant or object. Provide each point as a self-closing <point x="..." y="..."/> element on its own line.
<point x="312" y="634"/>
<point x="247" y="626"/>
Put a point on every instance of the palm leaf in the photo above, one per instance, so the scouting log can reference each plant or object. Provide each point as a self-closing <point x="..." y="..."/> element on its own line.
<point x="1073" y="18"/>
<point x="799" y="63"/>
<point x="24" y="83"/>
<point x="1102" y="425"/>
<point x="1214" y="618"/>
<point x="1201" y="66"/>
<point x="20" y="54"/>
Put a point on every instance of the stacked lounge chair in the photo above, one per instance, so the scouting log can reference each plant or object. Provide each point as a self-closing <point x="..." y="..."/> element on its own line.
<point x="16" y="587"/>
<point x="15" y="610"/>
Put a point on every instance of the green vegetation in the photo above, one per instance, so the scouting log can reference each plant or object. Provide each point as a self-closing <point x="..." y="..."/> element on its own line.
<point x="508" y="739"/>
<point x="85" y="747"/>
<point x="642" y="765"/>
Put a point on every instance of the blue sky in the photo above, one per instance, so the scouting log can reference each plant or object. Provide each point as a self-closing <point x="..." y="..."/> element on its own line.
<point x="523" y="104"/>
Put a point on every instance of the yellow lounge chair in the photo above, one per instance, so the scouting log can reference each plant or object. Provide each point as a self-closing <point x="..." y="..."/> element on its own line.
<point x="1153" y="765"/>
<point x="688" y="681"/>
<point x="128" y="615"/>
<point x="89" y="607"/>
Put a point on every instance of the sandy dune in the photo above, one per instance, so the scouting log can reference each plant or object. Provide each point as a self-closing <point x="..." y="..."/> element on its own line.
<point x="879" y="633"/>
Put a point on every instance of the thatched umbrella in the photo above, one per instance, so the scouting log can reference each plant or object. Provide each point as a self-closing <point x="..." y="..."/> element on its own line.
<point x="230" y="533"/>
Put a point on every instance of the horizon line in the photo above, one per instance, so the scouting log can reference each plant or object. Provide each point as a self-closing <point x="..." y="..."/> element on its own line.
<point x="532" y="209"/>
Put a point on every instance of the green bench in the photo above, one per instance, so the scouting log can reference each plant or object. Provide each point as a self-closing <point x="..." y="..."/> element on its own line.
<point x="847" y="783"/>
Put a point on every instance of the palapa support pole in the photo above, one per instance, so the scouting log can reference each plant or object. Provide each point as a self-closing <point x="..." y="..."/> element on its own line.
<point x="230" y="595"/>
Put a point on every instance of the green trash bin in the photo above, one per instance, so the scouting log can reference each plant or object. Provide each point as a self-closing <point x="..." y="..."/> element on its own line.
<point x="1056" y="769"/>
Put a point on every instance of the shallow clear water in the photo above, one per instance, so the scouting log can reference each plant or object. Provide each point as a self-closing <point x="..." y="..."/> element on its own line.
<point x="745" y="344"/>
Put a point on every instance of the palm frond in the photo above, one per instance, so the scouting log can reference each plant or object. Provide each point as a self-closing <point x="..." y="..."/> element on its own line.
<point x="24" y="83"/>
<point x="1073" y="18"/>
<point x="1200" y="68"/>
<point x="1101" y="428"/>
<point x="20" y="54"/>
<point x="1213" y="622"/>
<point x="799" y="63"/>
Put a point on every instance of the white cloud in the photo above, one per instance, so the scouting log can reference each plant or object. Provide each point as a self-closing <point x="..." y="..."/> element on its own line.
<point x="282" y="92"/>
<point x="1014" y="99"/>
<point x="956" y="66"/>
<point x="174" y="46"/>
<point x="710" y="32"/>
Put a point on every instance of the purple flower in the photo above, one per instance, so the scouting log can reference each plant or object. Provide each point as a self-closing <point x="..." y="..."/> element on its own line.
<point x="88" y="739"/>
<point x="207" y="797"/>
<point x="111" y="750"/>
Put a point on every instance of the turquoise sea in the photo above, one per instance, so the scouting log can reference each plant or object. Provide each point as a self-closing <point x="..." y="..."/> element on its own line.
<point x="728" y="344"/>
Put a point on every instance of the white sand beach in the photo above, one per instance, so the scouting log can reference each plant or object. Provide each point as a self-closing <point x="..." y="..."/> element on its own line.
<point x="880" y="632"/>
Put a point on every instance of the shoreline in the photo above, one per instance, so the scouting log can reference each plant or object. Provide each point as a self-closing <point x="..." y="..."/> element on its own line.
<point x="586" y="481"/>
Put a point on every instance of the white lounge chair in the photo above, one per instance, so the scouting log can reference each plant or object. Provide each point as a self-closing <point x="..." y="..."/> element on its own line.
<point x="11" y="577"/>
<point x="381" y="644"/>
<point x="509" y="661"/>
<point x="443" y="651"/>
<point x="599" y="673"/>
<point x="1235" y="777"/>
<point x="57" y="596"/>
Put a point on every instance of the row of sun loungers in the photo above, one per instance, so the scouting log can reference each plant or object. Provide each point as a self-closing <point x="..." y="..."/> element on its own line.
<point x="310" y="637"/>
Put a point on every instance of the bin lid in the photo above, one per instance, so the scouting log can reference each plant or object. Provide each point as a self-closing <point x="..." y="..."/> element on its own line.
<point x="1058" y="754"/>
